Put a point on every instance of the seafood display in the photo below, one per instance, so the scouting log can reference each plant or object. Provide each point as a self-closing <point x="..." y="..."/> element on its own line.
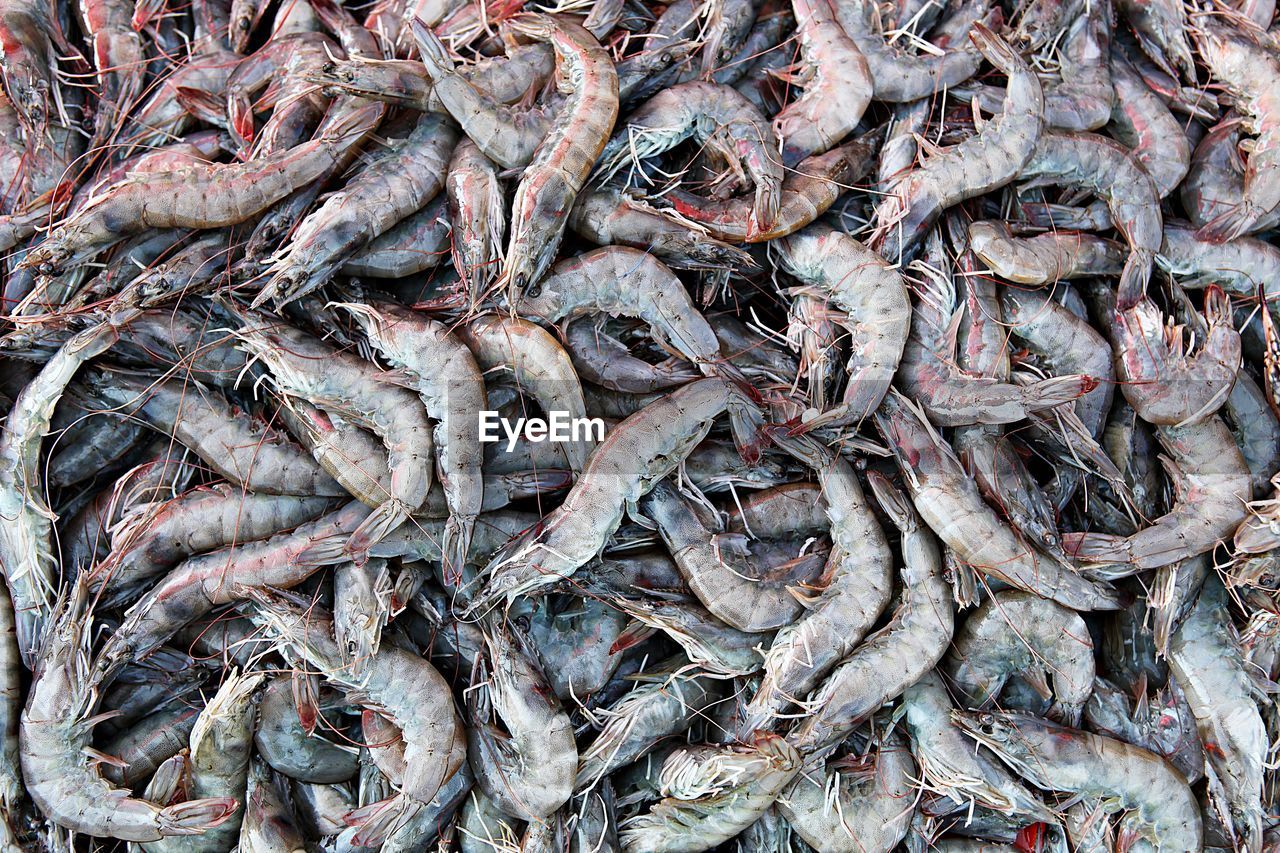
<point x="639" y="426"/>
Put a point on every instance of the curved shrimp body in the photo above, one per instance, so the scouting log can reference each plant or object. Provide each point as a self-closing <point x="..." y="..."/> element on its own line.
<point x="872" y="298"/>
<point x="975" y="166"/>
<point x="28" y="62"/>
<point x="856" y="587"/>
<point x="529" y="773"/>
<point x="1205" y="659"/>
<point x="1162" y="383"/>
<point x="1015" y="632"/>
<point x="713" y="796"/>
<point x="507" y="135"/>
<point x="1108" y="170"/>
<point x="719" y="567"/>
<point x="1215" y="180"/>
<point x="477" y="216"/>
<point x="808" y="191"/>
<point x="202" y="196"/>
<point x="305" y="367"/>
<point x="538" y="364"/>
<point x="399" y="183"/>
<point x="55" y="742"/>
<point x="1142" y="121"/>
<point x="837" y="812"/>
<point x="837" y="85"/>
<point x="1081" y="99"/>
<point x="445" y="375"/>
<point x="950" y="764"/>
<point x="950" y="503"/>
<point x="930" y="374"/>
<point x="1240" y="267"/>
<point x="393" y="683"/>
<point x="416" y="243"/>
<point x="894" y="657"/>
<point x="602" y="359"/>
<point x="607" y="216"/>
<point x="27" y="554"/>
<point x="1045" y="258"/>
<point x="636" y="453"/>
<point x="564" y="159"/>
<point x="1163" y="810"/>
<point x="202" y="583"/>
<point x="1067" y="344"/>
<point x="726" y="123"/>
<point x="899" y="77"/>
<point x="1250" y="72"/>
<point x="1212" y="486"/>
<point x="246" y="452"/>
<point x="662" y="706"/>
<point x="1161" y="28"/>
<point x="150" y="538"/>
<point x="590" y="283"/>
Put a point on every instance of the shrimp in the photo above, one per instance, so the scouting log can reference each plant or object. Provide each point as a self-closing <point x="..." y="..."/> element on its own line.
<point x="1067" y="344"/>
<point x="154" y="536"/>
<point x="1081" y="99"/>
<point x="1242" y="267"/>
<point x="1250" y="73"/>
<point x="1045" y="258"/>
<point x="390" y="188"/>
<point x="951" y="505"/>
<point x="477" y="217"/>
<point x="720" y="568"/>
<point x="855" y="589"/>
<point x="394" y="683"/>
<point x="528" y="771"/>
<point x="653" y="293"/>
<point x="1215" y="178"/>
<point x="199" y="196"/>
<point x="1143" y="122"/>
<point x="361" y="606"/>
<point x="602" y="359"/>
<point x="726" y="124"/>
<point x="984" y="162"/>
<point x="55" y="739"/>
<point x="952" y="396"/>
<point x="874" y="306"/>
<point x="862" y="810"/>
<point x="221" y="746"/>
<point x="230" y="442"/>
<point x="285" y="745"/>
<point x="27" y="554"/>
<point x="1211" y="484"/>
<point x="1205" y="659"/>
<point x="1161" y="28"/>
<point x="635" y="455"/>
<point x="897" y="76"/>
<point x="665" y="703"/>
<point x="1107" y="169"/>
<point x="1162" y="808"/>
<point x="1162" y="383"/>
<point x="949" y="763"/>
<point x="837" y="83"/>
<point x="415" y="244"/>
<point x="713" y="796"/>
<point x="268" y="823"/>
<point x="538" y="364"/>
<point x="609" y="216"/>
<point x="894" y="657"/>
<point x="707" y="642"/>
<point x="808" y="191"/>
<point x="306" y="367"/>
<point x="445" y="375"/>
<point x="564" y="159"/>
<point x="1015" y="632"/>
<point x="201" y="583"/>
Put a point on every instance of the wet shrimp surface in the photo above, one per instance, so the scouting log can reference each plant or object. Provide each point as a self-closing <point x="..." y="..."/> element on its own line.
<point x="639" y="426"/>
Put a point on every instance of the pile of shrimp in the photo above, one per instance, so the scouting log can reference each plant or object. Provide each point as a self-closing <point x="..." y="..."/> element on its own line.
<point x="740" y="425"/>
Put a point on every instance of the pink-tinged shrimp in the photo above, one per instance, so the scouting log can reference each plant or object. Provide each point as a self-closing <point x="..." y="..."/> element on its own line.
<point x="58" y="760"/>
<point x="836" y="80"/>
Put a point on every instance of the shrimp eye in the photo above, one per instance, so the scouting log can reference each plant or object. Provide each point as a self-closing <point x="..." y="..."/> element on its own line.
<point x="244" y="24"/>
